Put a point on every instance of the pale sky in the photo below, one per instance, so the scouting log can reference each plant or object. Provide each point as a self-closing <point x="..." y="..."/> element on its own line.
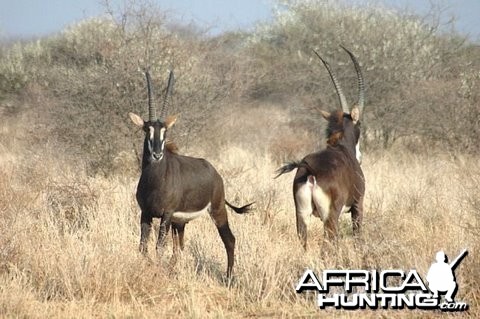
<point x="28" y="18"/>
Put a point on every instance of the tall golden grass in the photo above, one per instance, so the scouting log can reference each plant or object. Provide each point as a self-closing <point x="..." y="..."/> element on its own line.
<point x="68" y="241"/>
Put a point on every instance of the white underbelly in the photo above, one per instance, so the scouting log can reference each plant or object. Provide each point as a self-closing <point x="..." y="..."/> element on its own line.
<point x="185" y="217"/>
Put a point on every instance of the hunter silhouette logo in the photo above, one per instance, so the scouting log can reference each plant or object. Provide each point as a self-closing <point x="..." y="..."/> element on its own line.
<point x="387" y="289"/>
<point x="441" y="277"/>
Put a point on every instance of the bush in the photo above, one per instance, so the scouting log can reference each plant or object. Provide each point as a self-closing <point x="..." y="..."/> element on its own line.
<point x="85" y="80"/>
<point x="398" y="51"/>
<point x="94" y="73"/>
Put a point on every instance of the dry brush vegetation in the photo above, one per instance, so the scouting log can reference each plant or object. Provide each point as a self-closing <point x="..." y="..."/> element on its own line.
<point x="69" y="222"/>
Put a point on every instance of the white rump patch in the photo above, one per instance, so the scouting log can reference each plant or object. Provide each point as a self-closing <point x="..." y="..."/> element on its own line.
<point x="310" y="193"/>
<point x="322" y="201"/>
<point x="185" y="217"/>
<point x="303" y="202"/>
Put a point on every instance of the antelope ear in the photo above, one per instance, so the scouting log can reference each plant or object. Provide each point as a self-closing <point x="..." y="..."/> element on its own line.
<point x="325" y="114"/>
<point x="355" y="114"/>
<point x="136" y="119"/>
<point x="170" y="121"/>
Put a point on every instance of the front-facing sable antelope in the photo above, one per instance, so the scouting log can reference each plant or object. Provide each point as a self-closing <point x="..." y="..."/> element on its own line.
<point x="176" y="188"/>
<point x="331" y="181"/>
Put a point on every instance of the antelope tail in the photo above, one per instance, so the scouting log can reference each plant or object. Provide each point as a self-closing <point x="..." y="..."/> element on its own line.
<point x="288" y="167"/>
<point x="240" y="210"/>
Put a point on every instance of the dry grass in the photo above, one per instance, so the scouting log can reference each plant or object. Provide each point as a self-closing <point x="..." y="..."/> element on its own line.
<point x="68" y="242"/>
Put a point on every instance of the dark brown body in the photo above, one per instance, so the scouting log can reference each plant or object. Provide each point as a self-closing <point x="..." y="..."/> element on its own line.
<point x="176" y="188"/>
<point x="331" y="181"/>
<point x="179" y="183"/>
<point x="340" y="177"/>
<point x="180" y="186"/>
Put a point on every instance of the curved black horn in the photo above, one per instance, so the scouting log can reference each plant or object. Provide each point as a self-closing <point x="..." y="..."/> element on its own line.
<point x="361" y="82"/>
<point x="152" y="114"/>
<point x="341" y="96"/>
<point x="171" y="82"/>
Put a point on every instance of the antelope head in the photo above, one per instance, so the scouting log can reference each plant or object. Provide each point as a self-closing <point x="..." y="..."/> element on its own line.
<point x="344" y="124"/>
<point x="156" y="127"/>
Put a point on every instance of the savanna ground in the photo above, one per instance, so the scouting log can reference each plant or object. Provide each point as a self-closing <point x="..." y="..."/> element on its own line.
<point x="69" y="221"/>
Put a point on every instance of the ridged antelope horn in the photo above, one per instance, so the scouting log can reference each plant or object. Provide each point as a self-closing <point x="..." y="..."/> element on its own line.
<point x="341" y="96"/>
<point x="152" y="114"/>
<point x="361" y="82"/>
<point x="171" y="82"/>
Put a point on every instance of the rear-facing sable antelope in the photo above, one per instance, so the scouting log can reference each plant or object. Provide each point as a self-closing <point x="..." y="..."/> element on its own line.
<point x="176" y="188"/>
<point x="330" y="181"/>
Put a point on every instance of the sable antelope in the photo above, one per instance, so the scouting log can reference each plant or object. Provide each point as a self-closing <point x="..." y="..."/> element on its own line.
<point x="176" y="188"/>
<point x="331" y="181"/>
